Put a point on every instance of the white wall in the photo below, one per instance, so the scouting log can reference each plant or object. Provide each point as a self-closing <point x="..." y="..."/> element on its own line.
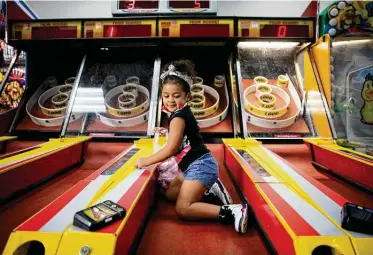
<point x="71" y="9"/>
<point x="102" y="8"/>
<point x="262" y="8"/>
<point x="325" y="4"/>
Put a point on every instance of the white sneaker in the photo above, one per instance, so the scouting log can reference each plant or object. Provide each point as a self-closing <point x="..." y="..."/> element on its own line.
<point x="221" y="192"/>
<point x="236" y="215"/>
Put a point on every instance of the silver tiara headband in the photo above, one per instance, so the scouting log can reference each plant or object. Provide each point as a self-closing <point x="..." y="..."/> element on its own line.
<point x="172" y="71"/>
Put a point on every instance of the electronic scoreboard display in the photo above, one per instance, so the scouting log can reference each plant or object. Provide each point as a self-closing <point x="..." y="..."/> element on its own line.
<point x="195" y="4"/>
<point x="136" y="6"/>
<point x="275" y="28"/>
<point x="124" y="7"/>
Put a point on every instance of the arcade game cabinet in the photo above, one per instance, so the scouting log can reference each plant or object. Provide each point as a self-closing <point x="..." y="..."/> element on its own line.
<point x="280" y="101"/>
<point x="29" y="113"/>
<point x="76" y="93"/>
<point x="346" y="42"/>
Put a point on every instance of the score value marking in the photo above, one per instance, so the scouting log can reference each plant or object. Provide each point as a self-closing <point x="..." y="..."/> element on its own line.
<point x="126" y="28"/>
<point x="139" y="4"/>
<point x="135" y="6"/>
<point x="282" y="31"/>
<point x="189" y="6"/>
<point x="197" y="4"/>
<point x="131" y="5"/>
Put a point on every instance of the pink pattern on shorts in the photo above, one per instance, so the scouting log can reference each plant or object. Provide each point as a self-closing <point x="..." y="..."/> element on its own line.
<point x="168" y="170"/>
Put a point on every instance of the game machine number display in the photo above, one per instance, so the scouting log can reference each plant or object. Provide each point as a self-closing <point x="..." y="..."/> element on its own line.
<point x="196" y="4"/>
<point x="133" y="6"/>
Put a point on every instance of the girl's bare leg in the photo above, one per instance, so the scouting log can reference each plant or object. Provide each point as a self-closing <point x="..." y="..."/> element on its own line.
<point x="174" y="189"/>
<point x="188" y="205"/>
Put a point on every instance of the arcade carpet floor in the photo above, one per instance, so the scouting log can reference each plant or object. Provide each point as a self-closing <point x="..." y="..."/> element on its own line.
<point x="19" y="210"/>
<point x="165" y="233"/>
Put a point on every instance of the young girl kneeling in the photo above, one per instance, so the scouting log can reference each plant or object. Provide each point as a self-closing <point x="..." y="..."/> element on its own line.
<point x="199" y="177"/>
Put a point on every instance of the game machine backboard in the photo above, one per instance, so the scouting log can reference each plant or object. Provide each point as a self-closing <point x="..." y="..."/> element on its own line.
<point x="346" y="44"/>
<point x="206" y="42"/>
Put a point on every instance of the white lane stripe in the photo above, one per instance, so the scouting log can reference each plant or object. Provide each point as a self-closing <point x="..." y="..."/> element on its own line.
<point x="309" y="214"/>
<point x="271" y="179"/>
<point x="325" y="202"/>
<point x="117" y="192"/>
<point x="63" y="218"/>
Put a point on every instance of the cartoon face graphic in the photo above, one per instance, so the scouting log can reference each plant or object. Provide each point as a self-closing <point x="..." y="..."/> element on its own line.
<point x="349" y="13"/>
<point x="367" y="92"/>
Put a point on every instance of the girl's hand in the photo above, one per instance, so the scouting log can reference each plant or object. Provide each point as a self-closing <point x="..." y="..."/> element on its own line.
<point x="160" y="130"/>
<point x="142" y="162"/>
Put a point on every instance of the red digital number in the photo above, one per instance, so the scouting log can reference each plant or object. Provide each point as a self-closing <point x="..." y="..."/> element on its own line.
<point x="131" y="4"/>
<point x="282" y="31"/>
<point x="197" y="4"/>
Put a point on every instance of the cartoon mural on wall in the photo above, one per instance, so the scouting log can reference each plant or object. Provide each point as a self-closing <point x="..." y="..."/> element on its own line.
<point x="15" y="85"/>
<point x="13" y="89"/>
<point x="367" y="95"/>
<point x="3" y="12"/>
<point x="346" y="15"/>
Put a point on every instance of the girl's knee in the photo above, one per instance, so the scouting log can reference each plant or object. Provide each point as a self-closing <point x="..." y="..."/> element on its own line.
<point x="181" y="209"/>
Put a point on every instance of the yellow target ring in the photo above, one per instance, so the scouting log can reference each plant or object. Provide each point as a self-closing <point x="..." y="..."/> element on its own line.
<point x="260" y="80"/>
<point x="262" y="89"/>
<point x="197" y="101"/>
<point x="60" y="100"/>
<point x="267" y="101"/>
<point x="282" y="81"/>
<point x="265" y="112"/>
<point x="127" y="100"/>
<point x="131" y="112"/>
<point x="197" y="89"/>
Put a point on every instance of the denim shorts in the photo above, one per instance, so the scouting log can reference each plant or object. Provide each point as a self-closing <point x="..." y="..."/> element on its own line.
<point x="205" y="169"/>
